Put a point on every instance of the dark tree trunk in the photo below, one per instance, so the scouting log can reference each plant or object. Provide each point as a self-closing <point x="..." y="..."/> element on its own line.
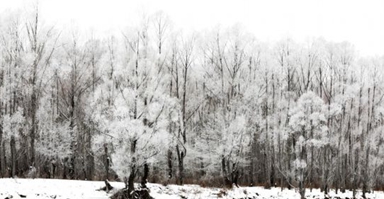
<point x="132" y="175"/>
<point x="73" y="146"/>
<point x="170" y="169"/>
<point x="2" y="154"/>
<point x="71" y="171"/>
<point x="226" y="182"/>
<point x="4" y="158"/>
<point x="302" y="190"/>
<point x="131" y="178"/>
<point x="90" y="166"/>
<point x="144" y="179"/>
<point x="65" y="168"/>
<point x="33" y="127"/>
<point x="106" y="164"/>
<point x="54" y="166"/>
<point x="89" y="159"/>
<point x="13" y="156"/>
<point x="180" y="157"/>
<point x="235" y="177"/>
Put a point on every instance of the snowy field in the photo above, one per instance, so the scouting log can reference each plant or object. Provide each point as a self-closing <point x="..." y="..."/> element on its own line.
<point x="72" y="189"/>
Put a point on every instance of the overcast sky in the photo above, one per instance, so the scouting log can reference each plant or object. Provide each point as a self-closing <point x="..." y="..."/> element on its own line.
<point x="360" y="22"/>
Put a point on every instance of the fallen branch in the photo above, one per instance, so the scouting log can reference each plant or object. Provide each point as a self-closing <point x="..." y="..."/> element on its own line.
<point x="108" y="187"/>
<point x="142" y="193"/>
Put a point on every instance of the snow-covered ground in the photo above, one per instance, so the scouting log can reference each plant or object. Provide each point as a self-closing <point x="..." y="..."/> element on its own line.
<point x="75" y="189"/>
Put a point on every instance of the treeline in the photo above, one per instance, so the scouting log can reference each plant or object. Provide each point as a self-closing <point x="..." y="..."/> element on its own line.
<point x="214" y="108"/>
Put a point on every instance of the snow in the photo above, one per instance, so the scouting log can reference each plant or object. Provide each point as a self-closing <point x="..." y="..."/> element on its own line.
<point x="50" y="188"/>
<point x="68" y="189"/>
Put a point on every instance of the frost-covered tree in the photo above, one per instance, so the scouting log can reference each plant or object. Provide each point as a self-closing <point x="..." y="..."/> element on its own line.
<point x="308" y="126"/>
<point x="15" y="62"/>
<point x="135" y="120"/>
<point x="76" y="76"/>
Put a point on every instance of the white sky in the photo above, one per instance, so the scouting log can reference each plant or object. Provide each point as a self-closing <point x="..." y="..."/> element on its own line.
<point x="358" y="21"/>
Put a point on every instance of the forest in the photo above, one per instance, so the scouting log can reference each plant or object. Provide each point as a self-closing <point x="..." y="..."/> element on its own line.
<point x="215" y="108"/>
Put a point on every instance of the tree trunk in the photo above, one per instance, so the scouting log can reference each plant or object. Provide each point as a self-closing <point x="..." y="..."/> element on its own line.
<point x="2" y="154"/>
<point x="180" y="158"/>
<point x="302" y="189"/>
<point x="132" y="175"/>
<point x="4" y="158"/>
<point x="366" y="173"/>
<point x="33" y="127"/>
<point x="54" y="166"/>
<point x="226" y="181"/>
<point x="144" y="179"/>
<point x="13" y="156"/>
<point x="90" y="166"/>
<point x="169" y="160"/>
<point x="106" y="164"/>
<point x="131" y="178"/>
